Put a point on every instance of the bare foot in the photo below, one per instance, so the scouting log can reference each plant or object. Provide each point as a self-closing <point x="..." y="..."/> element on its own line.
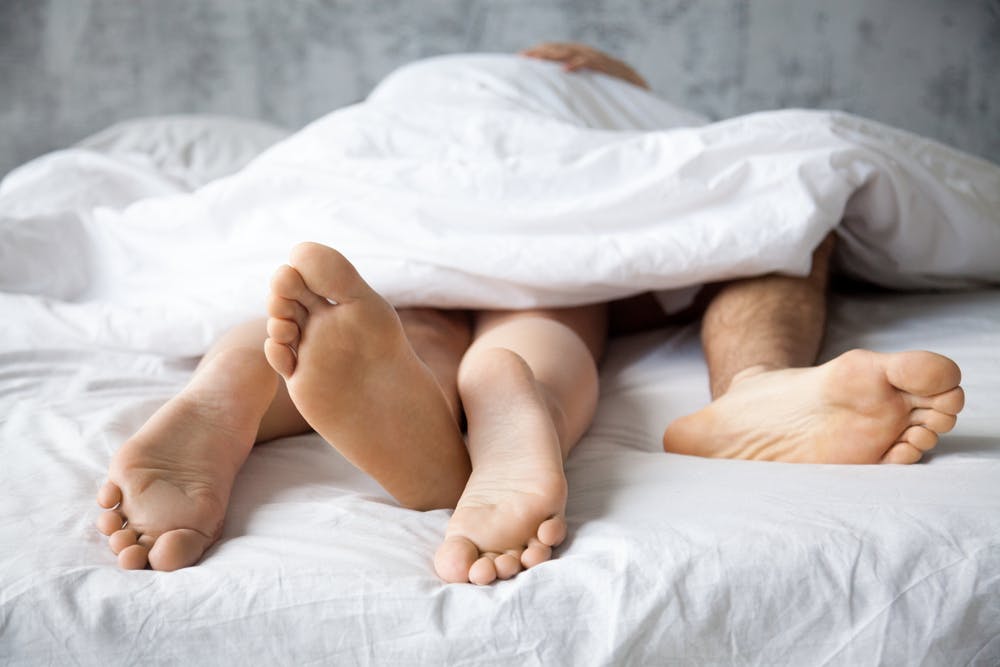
<point x="355" y="378"/>
<point x="862" y="407"/>
<point x="171" y="481"/>
<point x="512" y="511"/>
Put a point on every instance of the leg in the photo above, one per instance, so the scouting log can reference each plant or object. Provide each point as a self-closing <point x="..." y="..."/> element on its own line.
<point x="439" y="338"/>
<point x="759" y="336"/>
<point x="172" y="479"/>
<point x="529" y="386"/>
<point x="361" y="384"/>
<point x="766" y="323"/>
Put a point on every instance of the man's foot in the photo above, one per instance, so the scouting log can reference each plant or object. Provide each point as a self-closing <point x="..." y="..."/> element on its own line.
<point x="512" y="511"/>
<point x="355" y="378"/>
<point x="171" y="481"/>
<point x="862" y="407"/>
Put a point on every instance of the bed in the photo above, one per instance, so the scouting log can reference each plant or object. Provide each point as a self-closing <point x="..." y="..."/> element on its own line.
<point x="670" y="559"/>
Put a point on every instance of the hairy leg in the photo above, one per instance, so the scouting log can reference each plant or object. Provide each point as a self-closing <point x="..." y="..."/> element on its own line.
<point x="529" y="386"/>
<point x="357" y="379"/>
<point x="766" y="323"/>
<point x="171" y="481"/>
<point x="760" y="338"/>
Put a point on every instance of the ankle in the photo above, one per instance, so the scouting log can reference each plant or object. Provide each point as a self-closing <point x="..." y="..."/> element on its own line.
<point x="238" y="381"/>
<point x="490" y="369"/>
<point x="483" y="368"/>
<point x="741" y="376"/>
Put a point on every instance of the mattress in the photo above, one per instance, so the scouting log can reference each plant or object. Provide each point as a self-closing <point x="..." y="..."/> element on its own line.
<point x="669" y="560"/>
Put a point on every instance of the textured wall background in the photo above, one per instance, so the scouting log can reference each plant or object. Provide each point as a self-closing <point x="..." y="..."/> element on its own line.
<point x="71" y="67"/>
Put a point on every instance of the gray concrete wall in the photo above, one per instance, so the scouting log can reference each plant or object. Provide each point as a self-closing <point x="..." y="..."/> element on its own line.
<point x="71" y="67"/>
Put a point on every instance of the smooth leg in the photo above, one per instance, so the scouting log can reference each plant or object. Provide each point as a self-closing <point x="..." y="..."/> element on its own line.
<point x="440" y="338"/>
<point x="760" y="338"/>
<point x="529" y="386"/>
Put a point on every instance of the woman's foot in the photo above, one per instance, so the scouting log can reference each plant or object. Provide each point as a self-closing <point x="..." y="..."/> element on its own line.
<point x="354" y="376"/>
<point x="862" y="407"/>
<point x="168" y="486"/>
<point x="512" y="511"/>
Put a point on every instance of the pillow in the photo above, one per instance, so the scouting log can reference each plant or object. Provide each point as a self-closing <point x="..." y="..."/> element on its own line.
<point x="190" y="149"/>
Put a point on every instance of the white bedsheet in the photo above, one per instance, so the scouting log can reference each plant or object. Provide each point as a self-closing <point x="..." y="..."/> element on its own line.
<point x="670" y="559"/>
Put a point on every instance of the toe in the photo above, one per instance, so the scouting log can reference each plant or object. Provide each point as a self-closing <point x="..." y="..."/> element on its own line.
<point x="939" y="422"/>
<point x="950" y="402"/>
<point x="454" y="559"/>
<point x="922" y="373"/>
<point x="507" y="565"/>
<point x="285" y="332"/>
<point x="133" y="557"/>
<point x="535" y="553"/>
<point x="902" y="452"/>
<point x="483" y="571"/>
<point x="110" y="522"/>
<point x="178" y="548"/>
<point x="281" y="308"/>
<point x="121" y="539"/>
<point x="280" y="357"/>
<point x="287" y="283"/>
<point x="109" y="495"/>
<point x="552" y="531"/>
<point x="922" y="438"/>
<point x="328" y="273"/>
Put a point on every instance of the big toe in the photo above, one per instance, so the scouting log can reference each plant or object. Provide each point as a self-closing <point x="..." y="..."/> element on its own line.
<point x="454" y="559"/>
<point x="328" y="273"/>
<point x="178" y="548"/>
<point x="922" y="373"/>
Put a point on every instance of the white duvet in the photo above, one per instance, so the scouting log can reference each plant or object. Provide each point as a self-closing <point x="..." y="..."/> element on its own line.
<point x="496" y="181"/>
<point x="670" y="559"/>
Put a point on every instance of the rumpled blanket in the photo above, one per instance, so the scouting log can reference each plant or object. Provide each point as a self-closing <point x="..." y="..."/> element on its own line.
<point x="490" y="181"/>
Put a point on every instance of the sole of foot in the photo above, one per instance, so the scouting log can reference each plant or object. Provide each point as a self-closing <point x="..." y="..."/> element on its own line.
<point x="168" y="486"/>
<point x="512" y="512"/>
<point x="353" y="375"/>
<point x="861" y="407"/>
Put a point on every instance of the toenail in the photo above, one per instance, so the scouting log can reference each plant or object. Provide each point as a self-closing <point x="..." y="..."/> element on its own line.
<point x="124" y="523"/>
